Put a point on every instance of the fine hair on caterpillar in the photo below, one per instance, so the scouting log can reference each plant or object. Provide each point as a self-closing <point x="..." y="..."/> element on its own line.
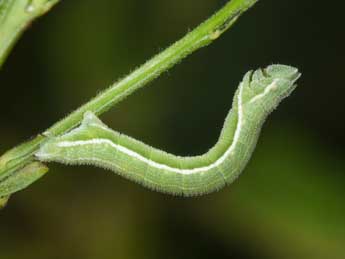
<point x="94" y="143"/>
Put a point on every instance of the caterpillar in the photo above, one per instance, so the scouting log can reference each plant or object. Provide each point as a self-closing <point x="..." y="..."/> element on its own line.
<point x="94" y="143"/>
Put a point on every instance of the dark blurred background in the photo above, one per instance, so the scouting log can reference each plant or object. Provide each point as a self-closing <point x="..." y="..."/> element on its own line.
<point x="288" y="203"/>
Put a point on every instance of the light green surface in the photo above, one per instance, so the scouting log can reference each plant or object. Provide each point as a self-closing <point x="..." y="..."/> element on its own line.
<point x="17" y="14"/>
<point x="93" y="143"/>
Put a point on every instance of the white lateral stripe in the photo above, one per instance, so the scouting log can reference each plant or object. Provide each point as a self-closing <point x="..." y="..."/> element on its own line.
<point x="163" y="166"/>
<point x="268" y="89"/>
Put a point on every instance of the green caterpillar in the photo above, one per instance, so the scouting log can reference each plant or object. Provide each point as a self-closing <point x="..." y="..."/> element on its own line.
<point x="95" y="144"/>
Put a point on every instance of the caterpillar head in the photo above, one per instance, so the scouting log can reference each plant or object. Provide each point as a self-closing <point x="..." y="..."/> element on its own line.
<point x="265" y="88"/>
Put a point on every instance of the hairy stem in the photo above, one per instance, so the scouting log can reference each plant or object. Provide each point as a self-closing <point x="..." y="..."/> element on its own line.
<point x="199" y="37"/>
<point x="203" y="35"/>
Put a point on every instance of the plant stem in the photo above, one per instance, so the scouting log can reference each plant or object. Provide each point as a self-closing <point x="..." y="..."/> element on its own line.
<point x="199" y="37"/>
<point x="3" y="201"/>
<point x="203" y="35"/>
<point x="15" y="16"/>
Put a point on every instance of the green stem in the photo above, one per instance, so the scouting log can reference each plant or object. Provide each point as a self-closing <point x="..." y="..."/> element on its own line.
<point x="15" y="16"/>
<point x="203" y="35"/>
<point x="3" y="201"/>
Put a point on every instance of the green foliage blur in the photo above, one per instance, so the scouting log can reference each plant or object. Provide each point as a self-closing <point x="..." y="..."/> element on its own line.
<point x="288" y="203"/>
